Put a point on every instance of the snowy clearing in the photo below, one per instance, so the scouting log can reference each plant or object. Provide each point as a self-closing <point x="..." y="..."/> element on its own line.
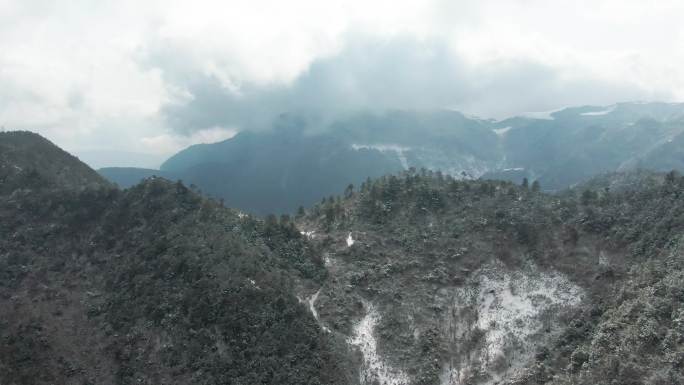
<point x="350" y="240"/>
<point x="374" y="370"/>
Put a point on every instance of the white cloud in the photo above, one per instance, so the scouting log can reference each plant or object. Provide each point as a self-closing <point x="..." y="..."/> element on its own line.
<point x="171" y="143"/>
<point x="105" y="75"/>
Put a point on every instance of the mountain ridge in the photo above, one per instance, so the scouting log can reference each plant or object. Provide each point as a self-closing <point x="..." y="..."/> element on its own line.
<point x="410" y="278"/>
<point x="297" y="161"/>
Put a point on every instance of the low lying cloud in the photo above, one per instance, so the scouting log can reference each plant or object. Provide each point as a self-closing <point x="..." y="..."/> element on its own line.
<point x="399" y="73"/>
<point x="148" y="76"/>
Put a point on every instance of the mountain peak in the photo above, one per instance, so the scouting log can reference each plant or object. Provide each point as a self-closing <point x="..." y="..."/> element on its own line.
<point x="28" y="160"/>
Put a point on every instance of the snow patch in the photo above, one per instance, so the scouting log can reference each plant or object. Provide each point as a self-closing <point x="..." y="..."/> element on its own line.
<point x="308" y="234"/>
<point x="502" y="131"/>
<point x="544" y="115"/>
<point x="599" y="113"/>
<point x="511" y="310"/>
<point x="311" y="301"/>
<point x="399" y="150"/>
<point x="350" y="240"/>
<point x="373" y="370"/>
<point x="509" y="304"/>
<point x="253" y="283"/>
<point x="312" y="304"/>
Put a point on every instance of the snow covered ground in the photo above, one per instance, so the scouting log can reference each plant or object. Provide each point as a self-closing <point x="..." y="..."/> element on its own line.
<point x="511" y="308"/>
<point x="350" y="240"/>
<point x="502" y="131"/>
<point x="399" y="150"/>
<point x="374" y="369"/>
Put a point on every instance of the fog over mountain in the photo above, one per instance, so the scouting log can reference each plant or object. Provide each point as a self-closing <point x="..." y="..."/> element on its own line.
<point x="302" y="157"/>
<point x="124" y="77"/>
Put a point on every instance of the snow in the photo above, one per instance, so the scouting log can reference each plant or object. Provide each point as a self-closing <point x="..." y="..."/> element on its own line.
<point x="350" y="240"/>
<point x="509" y="305"/>
<point x="599" y="113"/>
<point x="512" y="309"/>
<point x="514" y="169"/>
<point x="399" y="150"/>
<point x="545" y="115"/>
<point x="253" y="283"/>
<point x="502" y="131"/>
<point x="308" y="234"/>
<point x="311" y="301"/>
<point x="374" y="369"/>
<point x="312" y="304"/>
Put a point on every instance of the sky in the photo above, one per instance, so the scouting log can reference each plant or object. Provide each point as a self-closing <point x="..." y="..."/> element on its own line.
<point x="129" y="83"/>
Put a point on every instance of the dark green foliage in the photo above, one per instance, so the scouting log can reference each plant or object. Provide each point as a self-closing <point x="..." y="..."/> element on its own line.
<point x="536" y="186"/>
<point x="163" y="286"/>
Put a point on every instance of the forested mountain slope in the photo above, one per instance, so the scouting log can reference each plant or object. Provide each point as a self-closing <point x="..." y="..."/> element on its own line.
<point x="151" y="285"/>
<point x="413" y="278"/>
<point x="28" y="160"/>
<point x="440" y="281"/>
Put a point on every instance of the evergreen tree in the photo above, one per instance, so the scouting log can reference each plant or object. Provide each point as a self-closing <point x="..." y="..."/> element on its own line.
<point x="349" y="191"/>
<point x="535" y="186"/>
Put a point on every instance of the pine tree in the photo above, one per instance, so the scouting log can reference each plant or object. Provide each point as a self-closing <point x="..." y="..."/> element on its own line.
<point x="535" y="186"/>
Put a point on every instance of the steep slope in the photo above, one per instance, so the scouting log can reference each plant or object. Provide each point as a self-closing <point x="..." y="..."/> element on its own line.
<point x="152" y="285"/>
<point x="28" y="160"/>
<point x="277" y="171"/>
<point x="437" y="281"/>
<point x="575" y="144"/>
<point x="424" y="279"/>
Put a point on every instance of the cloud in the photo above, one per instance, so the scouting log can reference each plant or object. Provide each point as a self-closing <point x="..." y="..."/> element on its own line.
<point x="96" y="77"/>
<point x="396" y="73"/>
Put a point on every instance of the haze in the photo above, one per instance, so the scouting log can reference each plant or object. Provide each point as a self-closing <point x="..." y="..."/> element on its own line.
<point x="123" y="84"/>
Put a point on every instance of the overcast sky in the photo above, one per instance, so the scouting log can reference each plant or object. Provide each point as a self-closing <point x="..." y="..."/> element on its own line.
<point x="120" y="83"/>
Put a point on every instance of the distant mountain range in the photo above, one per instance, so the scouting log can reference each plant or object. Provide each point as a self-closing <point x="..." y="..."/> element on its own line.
<point x="298" y="161"/>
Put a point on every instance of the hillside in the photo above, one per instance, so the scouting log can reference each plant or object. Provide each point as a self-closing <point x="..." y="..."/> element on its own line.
<point x="412" y="278"/>
<point x="445" y="282"/>
<point x="301" y="159"/>
<point x="151" y="285"/>
<point x="28" y="160"/>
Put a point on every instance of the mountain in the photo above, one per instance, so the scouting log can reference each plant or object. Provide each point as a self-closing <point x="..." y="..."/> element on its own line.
<point x="303" y="159"/>
<point x="279" y="170"/>
<point x="575" y="144"/>
<point x="28" y="160"/>
<point x="411" y="278"/>
<point x="151" y="285"/>
<point x="438" y="281"/>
